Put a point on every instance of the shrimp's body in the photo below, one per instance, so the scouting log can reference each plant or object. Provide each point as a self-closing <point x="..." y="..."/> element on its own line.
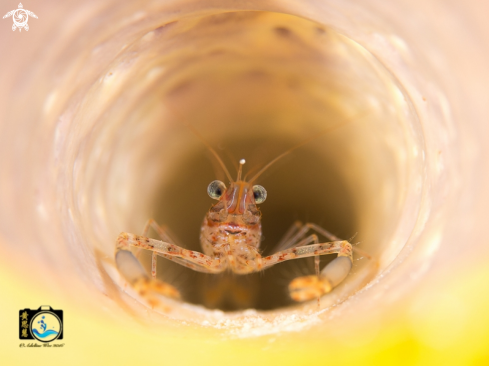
<point x="231" y="229"/>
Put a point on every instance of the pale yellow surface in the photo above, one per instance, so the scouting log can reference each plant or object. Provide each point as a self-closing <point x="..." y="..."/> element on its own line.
<point x="447" y="325"/>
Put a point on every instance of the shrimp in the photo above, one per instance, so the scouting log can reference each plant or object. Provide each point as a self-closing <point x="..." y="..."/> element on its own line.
<point x="230" y="238"/>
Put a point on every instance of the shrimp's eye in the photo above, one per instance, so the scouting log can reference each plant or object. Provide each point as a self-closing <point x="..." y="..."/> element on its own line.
<point x="216" y="189"/>
<point x="260" y="194"/>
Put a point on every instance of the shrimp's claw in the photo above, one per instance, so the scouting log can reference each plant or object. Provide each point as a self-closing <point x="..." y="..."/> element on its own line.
<point x="145" y="286"/>
<point x="134" y="273"/>
<point x="310" y="287"/>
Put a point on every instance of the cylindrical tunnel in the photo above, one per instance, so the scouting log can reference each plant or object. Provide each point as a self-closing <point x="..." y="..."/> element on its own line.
<point x="105" y="116"/>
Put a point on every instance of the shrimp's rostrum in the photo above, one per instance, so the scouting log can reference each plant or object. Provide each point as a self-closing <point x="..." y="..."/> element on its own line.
<point x="230" y="238"/>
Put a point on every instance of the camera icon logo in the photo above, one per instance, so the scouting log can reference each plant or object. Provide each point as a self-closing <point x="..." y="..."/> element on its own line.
<point x="44" y="324"/>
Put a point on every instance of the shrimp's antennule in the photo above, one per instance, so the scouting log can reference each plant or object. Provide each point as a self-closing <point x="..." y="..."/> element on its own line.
<point x="241" y="163"/>
<point x="323" y="132"/>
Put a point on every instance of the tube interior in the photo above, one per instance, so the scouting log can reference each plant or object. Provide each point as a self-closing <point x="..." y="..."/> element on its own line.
<point x="254" y="84"/>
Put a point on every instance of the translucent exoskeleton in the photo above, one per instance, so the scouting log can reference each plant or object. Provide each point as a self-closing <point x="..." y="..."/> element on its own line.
<point x="230" y="238"/>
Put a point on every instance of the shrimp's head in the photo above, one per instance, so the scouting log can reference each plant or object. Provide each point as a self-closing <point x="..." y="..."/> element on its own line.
<point x="237" y="203"/>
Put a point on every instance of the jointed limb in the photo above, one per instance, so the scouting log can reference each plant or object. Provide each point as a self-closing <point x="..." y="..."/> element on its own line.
<point x="310" y="287"/>
<point x="163" y="234"/>
<point x="286" y="241"/>
<point x="170" y="251"/>
<point x="292" y="239"/>
<point x="135" y="274"/>
<point x="343" y="248"/>
<point x="304" y="228"/>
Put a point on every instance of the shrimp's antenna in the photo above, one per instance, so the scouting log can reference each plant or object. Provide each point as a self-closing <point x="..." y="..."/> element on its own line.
<point x="249" y="172"/>
<point x="221" y="163"/>
<point x="199" y="136"/>
<point x="241" y="163"/>
<point x="323" y="132"/>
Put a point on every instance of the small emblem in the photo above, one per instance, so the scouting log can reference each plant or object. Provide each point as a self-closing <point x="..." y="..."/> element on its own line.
<point x="20" y="16"/>
<point x="44" y="324"/>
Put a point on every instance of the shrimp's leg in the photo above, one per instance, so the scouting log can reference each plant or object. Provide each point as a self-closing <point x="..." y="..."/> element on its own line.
<point x="135" y="274"/>
<point x="163" y="234"/>
<point x="285" y="242"/>
<point x="200" y="262"/>
<point x="294" y="238"/>
<point x="310" y="287"/>
<point x="332" y="237"/>
<point x="299" y="231"/>
<point x="302" y="288"/>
